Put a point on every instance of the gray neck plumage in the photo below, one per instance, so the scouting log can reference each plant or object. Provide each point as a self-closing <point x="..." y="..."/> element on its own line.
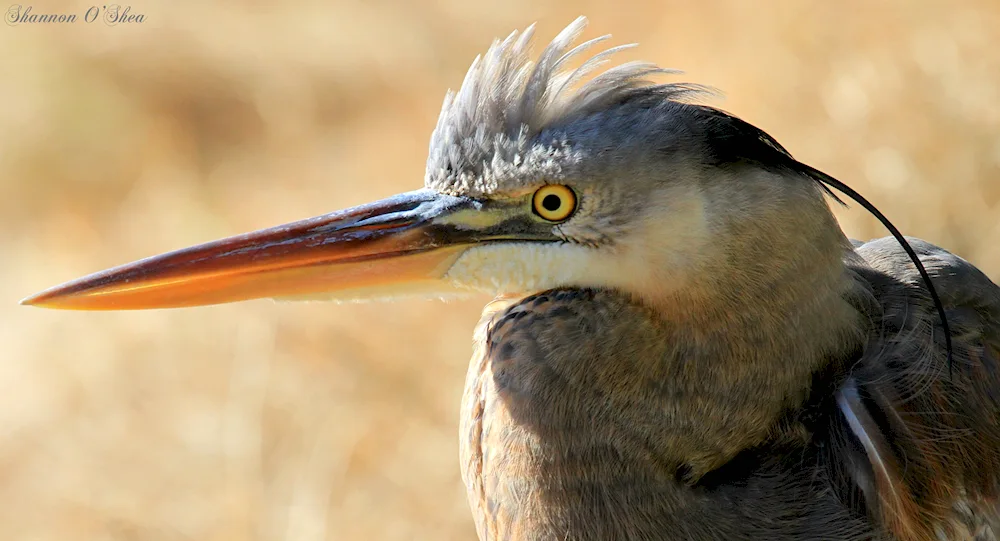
<point x="742" y="342"/>
<point x="577" y="394"/>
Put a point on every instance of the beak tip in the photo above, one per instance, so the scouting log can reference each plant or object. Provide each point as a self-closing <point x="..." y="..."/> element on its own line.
<point x="49" y="298"/>
<point x="32" y="300"/>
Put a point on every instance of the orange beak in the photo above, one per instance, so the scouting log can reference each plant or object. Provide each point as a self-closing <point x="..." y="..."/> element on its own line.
<point x="406" y="242"/>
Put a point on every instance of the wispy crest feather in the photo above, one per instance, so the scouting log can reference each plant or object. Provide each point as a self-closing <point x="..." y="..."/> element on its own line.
<point x="507" y="98"/>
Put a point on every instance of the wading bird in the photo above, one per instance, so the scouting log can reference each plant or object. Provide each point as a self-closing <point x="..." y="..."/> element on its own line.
<point x="685" y="345"/>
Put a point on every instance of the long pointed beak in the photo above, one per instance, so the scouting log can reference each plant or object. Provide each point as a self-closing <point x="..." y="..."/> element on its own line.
<point x="409" y="240"/>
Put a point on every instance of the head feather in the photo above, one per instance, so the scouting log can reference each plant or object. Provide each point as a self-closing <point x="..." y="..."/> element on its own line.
<point x="488" y="128"/>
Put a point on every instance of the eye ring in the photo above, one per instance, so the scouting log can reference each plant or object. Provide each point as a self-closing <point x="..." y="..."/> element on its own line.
<point x="554" y="202"/>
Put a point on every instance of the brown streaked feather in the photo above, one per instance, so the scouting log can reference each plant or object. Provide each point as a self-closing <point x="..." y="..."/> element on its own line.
<point x="942" y="429"/>
<point x="562" y="441"/>
<point x="471" y="422"/>
<point x="889" y="499"/>
<point x="558" y="428"/>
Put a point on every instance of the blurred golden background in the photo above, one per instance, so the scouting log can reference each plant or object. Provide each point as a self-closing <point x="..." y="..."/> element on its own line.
<point x="314" y="421"/>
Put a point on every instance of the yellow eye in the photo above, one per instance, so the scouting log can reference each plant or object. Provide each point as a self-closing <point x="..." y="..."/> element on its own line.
<point x="554" y="202"/>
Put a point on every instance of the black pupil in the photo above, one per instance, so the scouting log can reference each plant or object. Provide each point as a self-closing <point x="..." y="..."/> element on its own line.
<point x="551" y="202"/>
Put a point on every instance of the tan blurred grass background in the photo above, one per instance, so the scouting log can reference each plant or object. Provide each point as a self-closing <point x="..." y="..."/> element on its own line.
<point x="314" y="421"/>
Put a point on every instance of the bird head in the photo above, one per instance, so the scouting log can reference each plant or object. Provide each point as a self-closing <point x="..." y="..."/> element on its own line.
<point x="537" y="177"/>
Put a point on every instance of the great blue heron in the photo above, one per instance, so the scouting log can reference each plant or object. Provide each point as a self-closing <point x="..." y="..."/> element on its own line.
<point x="685" y="345"/>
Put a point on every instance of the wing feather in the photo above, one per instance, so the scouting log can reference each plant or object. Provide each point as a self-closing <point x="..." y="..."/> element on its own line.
<point x="939" y="432"/>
